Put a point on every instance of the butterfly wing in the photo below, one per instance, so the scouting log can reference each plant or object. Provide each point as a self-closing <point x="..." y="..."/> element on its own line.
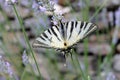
<point x="64" y="35"/>
<point x="77" y="30"/>
<point x="50" y="38"/>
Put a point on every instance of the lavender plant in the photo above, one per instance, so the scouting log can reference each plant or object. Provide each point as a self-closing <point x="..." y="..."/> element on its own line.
<point x="5" y="68"/>
<point x="11" y="2"/>
<point x="25" y="58"/>
<point x="47" y="6"/>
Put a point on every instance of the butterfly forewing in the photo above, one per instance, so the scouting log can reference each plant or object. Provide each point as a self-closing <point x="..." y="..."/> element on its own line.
<point x="51" y="38"/>
<point x="64" y="35"/>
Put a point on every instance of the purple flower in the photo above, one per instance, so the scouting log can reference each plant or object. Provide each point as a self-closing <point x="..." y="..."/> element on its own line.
<point x="9" y="70"/>
<point x="11" y="2"/>
<point x="56" y="18"/>
<point x="25" y="58"/>
<point x="117" y="22"/>
<point x="117" y="16"/>
<point x="42" y="9"/>
<point x="44" y="5"/>
<point x="111" y="76"/>
<point x="35" y="6"/>
<point x="5" y="67"/>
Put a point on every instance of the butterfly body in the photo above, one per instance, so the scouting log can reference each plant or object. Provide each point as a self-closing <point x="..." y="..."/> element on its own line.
<point x="63" y="36"/>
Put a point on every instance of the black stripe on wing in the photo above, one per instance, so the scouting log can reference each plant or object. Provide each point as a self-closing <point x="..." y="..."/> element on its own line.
<point x="55" y="33"/>
<point x="37" y="44"/>
<point x="45" y="35"/>
<point x="76" y="23"/>
<point x="88" y="29"/>
<point x="71" y="30"/>
<point x="62" y="30"/>
<point x="49" y="31"/>
<point x="85" y="25"/>
<point x="91" y="29"/>
<point x="81" y="25"/>
<point x="45" y="39"/>
<point x="42" y="38"/>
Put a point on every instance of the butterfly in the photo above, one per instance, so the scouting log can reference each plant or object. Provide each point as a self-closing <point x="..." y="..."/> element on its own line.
<point x="64" y="36"/>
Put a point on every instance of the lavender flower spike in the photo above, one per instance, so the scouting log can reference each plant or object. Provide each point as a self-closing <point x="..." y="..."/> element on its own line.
<point x="25" y="58"/>
<point x="56" y="18"/>
<point x="44" y="5"/>
<point x="11" y="2"/>
<point x="5" y="67"/>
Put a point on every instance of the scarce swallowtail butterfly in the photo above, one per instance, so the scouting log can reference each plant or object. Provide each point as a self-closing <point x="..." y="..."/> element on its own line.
<point x="64" y="35"/>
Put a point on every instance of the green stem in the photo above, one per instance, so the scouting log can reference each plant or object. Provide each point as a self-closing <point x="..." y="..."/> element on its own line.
<point x="89" y="78"/>
<point x="86" y="55"/>
<point x="26" y="39"/>
<point x="7" y="53"/>
<point x="78" y="64"/>
<point x="9" y="23"/>
<point x="53" y="64"/>
<point x="85" y="11"/>
<point x="99" y="55"/>
<point x="3" y="31"/>
<point x="109" y="56"/>
<point x="98" y="9"/>
<point x="99" y="63"/>
<point x="73" y="63"/>
<point x="22" y="76"/>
